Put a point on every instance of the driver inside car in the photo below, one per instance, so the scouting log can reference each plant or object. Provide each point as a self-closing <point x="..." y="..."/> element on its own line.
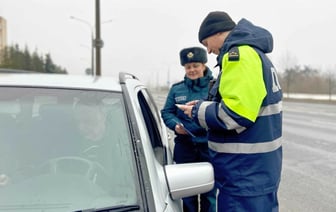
<point x="98" y="138"/>
<point x="91" y="126"/>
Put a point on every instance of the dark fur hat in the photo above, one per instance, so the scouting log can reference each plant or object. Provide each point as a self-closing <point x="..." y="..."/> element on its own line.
<point x="193" y="54"/>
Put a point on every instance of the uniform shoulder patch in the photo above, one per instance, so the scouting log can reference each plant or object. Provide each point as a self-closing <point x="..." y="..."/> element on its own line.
<point x="233" y="54"/>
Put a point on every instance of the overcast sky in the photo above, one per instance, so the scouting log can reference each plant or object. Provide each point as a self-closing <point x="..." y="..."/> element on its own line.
<point x="145" y="36"/>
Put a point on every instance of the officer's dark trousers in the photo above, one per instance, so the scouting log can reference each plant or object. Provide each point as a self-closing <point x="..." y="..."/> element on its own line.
<point x="233" y="203"/>
<point x="187" y="152"/>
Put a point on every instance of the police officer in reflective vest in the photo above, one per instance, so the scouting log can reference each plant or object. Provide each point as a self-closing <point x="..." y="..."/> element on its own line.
<point x="244" y="117"/>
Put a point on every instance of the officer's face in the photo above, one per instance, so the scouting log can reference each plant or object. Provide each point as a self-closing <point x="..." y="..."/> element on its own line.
<point x="194" y="70"/>
<point x="215" y="42"/>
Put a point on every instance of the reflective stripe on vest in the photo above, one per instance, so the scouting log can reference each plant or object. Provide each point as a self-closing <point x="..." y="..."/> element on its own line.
<point x="201" y="114"/>
<point x="231" y="123"/>
<point x="264" y="111"/>
<point x="245" y="148"/>
<point x="270" y="109"/>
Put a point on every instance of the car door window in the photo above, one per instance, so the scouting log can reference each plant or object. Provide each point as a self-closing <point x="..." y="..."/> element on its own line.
<point x="153" y="124"/>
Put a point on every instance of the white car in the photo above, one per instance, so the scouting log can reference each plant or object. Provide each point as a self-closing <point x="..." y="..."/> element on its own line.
<point x="56" y="156"/>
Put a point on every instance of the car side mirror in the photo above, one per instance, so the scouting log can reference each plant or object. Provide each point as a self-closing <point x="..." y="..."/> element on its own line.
<point x="189" y="179"/>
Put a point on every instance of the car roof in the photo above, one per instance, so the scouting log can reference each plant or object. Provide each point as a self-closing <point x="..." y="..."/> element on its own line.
<point x="108" y="83"/>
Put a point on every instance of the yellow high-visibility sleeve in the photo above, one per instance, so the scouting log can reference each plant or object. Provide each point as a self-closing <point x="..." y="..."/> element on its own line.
<point x="242" y="86"/>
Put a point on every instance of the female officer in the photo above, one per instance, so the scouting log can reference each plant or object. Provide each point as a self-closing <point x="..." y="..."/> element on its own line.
<point x="190" y="139"/>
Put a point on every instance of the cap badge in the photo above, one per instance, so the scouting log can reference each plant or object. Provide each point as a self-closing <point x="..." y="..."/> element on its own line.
<point x="190" y="55"/>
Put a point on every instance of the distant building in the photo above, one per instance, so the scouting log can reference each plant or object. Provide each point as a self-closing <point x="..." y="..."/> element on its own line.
<point x="3" y="35"/>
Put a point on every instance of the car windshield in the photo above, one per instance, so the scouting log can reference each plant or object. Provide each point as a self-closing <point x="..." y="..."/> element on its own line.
<point x="64" y="150"/>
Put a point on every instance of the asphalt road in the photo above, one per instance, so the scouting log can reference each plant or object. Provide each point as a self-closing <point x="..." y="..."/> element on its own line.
<point x="309" y="156"/>
<point x="309" y="165"/>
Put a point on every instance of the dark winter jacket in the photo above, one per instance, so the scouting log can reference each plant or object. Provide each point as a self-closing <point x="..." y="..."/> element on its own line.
<point x="181" y="93"/>
<point x="244" y="119"/>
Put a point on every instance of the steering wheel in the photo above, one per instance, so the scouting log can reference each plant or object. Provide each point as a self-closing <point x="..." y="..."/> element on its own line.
<point x="91" y="168"/>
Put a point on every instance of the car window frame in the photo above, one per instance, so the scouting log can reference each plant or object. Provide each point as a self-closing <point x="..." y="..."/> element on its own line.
<point x="153" y="125"/>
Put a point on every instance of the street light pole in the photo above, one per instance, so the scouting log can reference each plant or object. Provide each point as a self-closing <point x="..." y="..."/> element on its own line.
<point x="92" y="40"/>
<point x="98" y="41"/>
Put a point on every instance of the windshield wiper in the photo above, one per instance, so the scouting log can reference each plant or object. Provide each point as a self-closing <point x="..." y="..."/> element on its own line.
<point x="117" y="208"/>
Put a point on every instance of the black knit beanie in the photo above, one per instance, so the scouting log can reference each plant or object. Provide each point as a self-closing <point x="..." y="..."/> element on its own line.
<point x="215" y="22"/>
<point x="193" y="54"/>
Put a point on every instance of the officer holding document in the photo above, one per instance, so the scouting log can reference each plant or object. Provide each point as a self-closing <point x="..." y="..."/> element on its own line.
<point x="191" y="141"/>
